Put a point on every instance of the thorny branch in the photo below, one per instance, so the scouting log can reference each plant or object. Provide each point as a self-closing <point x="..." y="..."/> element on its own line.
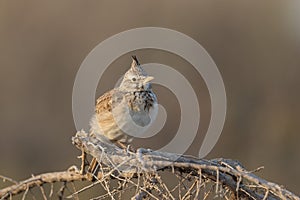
<point x="72" y="174"/>
<point x="143" y="170"/>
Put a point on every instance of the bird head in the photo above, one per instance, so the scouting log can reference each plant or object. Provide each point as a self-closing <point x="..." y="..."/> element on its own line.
<point x="136" y="79"/>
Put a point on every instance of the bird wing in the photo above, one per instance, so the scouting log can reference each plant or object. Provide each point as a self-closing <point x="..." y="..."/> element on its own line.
<point x="104" y="102"/>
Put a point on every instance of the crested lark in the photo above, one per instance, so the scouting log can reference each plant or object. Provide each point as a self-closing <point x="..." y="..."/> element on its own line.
<point x="128" y="108"/>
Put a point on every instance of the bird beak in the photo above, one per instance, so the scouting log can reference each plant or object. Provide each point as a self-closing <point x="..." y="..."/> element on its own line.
<point x="148" y="79"/>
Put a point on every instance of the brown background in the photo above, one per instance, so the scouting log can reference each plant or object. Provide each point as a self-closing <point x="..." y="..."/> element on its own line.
<point x="255" y="45"/>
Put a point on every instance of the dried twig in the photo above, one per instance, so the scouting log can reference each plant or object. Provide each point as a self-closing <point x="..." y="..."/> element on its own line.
<point x="4" y="178"/>
<point x="142" y="170"/>
<point x="64" y="176"/>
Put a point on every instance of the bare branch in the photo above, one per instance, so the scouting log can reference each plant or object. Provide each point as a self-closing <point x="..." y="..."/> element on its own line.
<point x="4" y="178"/>
<point x="143" y="172"/>
<point x="227" y="172"/>
<point x="64" y="176"/>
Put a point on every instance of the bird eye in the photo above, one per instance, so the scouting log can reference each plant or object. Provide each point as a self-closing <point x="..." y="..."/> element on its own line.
<point x="134" y="79"/>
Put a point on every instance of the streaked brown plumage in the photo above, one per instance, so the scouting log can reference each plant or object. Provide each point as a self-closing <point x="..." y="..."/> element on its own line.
<point x="132" y="102"/>
<point x="129" y="108"/>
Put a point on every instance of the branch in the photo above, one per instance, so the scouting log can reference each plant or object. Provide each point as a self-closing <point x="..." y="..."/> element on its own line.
<point x="70" y="175"/>
<point x="225" y="171"/>
<point x="141" y="171"/>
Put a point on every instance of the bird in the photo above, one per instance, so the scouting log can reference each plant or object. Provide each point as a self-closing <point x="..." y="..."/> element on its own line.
<point x="130" y="107"/>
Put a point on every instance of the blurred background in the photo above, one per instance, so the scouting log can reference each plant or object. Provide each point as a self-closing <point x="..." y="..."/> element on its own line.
<point x="255" y="44"/>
